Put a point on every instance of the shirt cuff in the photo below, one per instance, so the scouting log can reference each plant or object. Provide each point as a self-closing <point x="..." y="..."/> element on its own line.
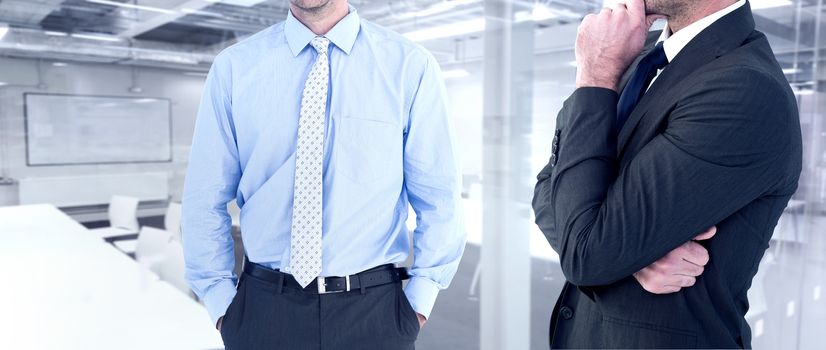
<point x="218" y="298"/>
<point x="422" y="292"/>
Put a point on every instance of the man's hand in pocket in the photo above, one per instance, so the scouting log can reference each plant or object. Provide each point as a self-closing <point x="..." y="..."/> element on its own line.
<point x="422" y="319"/>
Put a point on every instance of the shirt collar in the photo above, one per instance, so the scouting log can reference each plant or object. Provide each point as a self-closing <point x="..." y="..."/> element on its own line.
<point x="673" y="43"/>
<point x="343" y="35"/>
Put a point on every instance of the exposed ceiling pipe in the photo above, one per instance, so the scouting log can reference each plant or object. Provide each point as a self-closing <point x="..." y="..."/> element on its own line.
<point x="158" y="20"/>
<point x="32" y="43"/>
<point x="27" y="13"/>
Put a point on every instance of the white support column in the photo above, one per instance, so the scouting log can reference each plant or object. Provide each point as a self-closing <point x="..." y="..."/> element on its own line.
<point x="507" y="181"/>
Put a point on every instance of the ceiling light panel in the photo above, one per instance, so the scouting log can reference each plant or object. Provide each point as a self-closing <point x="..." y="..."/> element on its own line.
<point x="97" y="37"/>
<point x="437" y="8"/>
<point x="766" y="4"/>
<point x="448" y="30"/>
<point x="132" y="6"/>
<point x="4" y="29"/>
<point x="244" y="3"/>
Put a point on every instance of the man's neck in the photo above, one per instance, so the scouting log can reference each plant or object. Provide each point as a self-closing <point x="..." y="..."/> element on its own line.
<point x="321" y="19"/>
<point x="700" y="10"/>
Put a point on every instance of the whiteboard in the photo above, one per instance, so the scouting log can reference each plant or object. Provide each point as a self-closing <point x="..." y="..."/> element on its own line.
<point x="77" y="129"/>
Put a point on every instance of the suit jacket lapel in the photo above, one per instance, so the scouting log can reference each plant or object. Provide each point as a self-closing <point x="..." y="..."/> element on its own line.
<point x="721" y="37"/>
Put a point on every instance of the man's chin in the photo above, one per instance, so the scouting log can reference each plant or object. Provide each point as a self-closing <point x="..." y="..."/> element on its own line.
<point x="311" y="6"/>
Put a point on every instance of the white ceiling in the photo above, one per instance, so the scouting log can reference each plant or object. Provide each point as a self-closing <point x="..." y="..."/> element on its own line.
<point x="187" y="33"/>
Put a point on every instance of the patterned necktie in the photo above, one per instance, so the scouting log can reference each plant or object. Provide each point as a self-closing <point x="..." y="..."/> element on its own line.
<point x="305" y="240"/>
<point x="643" y="75"/>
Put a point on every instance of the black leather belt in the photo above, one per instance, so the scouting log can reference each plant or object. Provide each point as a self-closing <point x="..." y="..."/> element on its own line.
<point x="377" y="276"/>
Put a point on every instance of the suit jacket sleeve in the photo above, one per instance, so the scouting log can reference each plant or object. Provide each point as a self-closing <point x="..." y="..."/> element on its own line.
<point x="721" y="149"/>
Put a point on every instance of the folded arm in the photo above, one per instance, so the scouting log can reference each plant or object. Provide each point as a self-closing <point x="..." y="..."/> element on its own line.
<point x="712" y="159"/>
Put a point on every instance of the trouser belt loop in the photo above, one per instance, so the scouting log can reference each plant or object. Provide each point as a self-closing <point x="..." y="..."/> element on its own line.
<point x="362" y="285"/>
<point x="279" y="286"/>
<point x="403" y="274"/>
<point x="243" y="265"/>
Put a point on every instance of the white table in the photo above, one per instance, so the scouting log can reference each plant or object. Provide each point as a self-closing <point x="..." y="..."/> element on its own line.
<point x="64" y="288"/>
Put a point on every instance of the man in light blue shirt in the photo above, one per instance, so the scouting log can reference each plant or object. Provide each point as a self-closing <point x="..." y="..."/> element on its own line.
<point x="324" y="128"/>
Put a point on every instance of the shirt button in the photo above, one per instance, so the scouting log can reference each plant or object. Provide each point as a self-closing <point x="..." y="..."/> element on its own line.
<point x="566" y="312"/>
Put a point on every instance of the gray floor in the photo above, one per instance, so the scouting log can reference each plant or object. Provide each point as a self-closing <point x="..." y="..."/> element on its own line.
<point x="795" y="294"/>
<point x="794" y="316"/>
<point x="454" y="323"/>
<point x="791" y="283"/>
<point x="794" y="313"/>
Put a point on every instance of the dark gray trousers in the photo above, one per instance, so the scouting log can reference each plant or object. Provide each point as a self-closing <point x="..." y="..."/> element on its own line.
<point x="262" y="316"/>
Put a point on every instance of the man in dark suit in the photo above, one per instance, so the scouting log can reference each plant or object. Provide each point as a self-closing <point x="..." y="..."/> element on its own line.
<point x="701" y="131"/>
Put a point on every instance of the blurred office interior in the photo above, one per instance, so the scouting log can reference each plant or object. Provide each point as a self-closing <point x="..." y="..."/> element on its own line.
<point x="98" y="100"/>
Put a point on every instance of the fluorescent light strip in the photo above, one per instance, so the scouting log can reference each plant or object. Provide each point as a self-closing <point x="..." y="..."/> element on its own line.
<point x="132" y="6"/>
<point x="96" y="37"/>
<point x="758" y="328"/>
<point x="443" y="6"/>
<point x="53" y="33"/>
<point x="455" y="73"/>
<point x="243" y="3"/>
<point x="539" y="13"/>
<point x="766" y="4"/>
<point x="201" y="13"/>
<point x="4" y="29"/>
<point x="448" y="30"/>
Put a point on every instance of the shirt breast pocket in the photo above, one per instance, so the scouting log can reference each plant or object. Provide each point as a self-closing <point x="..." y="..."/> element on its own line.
<point x="367" y="148"/>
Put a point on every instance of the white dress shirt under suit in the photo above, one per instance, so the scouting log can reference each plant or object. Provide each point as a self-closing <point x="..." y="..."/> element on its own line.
<point x="673" y="43"/>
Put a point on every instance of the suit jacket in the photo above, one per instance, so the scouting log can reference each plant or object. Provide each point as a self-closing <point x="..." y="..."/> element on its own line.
<point x="714" y="141"/>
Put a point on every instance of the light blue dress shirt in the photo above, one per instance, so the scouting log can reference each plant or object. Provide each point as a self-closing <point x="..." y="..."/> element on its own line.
<point x="388" y="143"/>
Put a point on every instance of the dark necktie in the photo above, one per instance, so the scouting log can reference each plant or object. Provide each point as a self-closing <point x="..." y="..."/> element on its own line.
<point x="643" y="75"/>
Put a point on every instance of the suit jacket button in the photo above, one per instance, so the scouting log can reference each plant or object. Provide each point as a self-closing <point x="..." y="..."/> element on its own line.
<point x="555" y="148"/>
<point x="566" y="312"/>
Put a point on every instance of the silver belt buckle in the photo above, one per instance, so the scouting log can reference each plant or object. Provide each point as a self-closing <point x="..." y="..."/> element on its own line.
<point x="321" y="283"/>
